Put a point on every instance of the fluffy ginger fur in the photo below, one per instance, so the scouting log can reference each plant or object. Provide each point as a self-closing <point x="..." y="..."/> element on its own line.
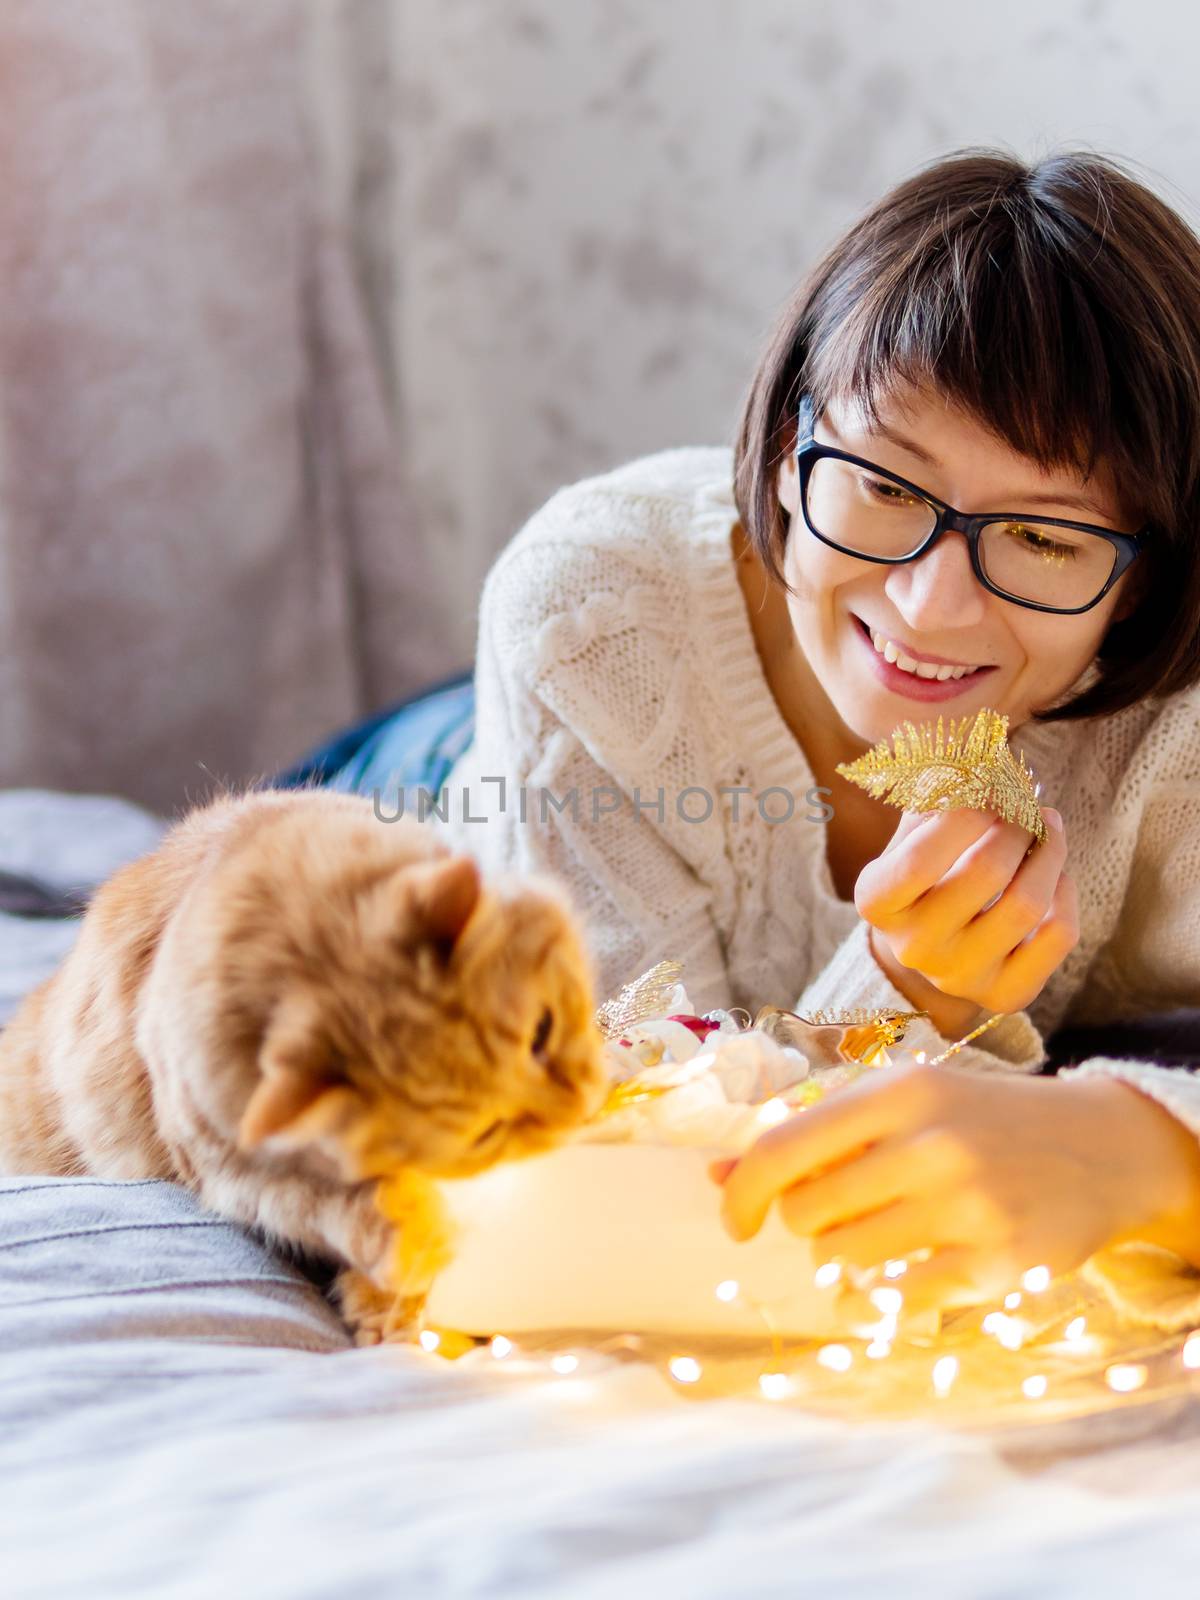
<point x="308" y="1015"/>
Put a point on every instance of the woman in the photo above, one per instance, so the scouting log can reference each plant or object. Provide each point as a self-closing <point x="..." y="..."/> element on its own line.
<point x="675" y="657"/>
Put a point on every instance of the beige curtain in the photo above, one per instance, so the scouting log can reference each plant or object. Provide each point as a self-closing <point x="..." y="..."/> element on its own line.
<point x="206" y="556"/>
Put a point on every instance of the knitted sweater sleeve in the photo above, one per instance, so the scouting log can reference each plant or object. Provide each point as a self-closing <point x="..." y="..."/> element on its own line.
<point x="1154" y="965"/>
<point x="567" y="661"/>
<point x="852" y="980"/>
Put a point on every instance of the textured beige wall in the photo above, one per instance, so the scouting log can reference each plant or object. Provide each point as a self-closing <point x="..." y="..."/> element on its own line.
<point x="597" y="206"/>
<point x="239" y="506"/>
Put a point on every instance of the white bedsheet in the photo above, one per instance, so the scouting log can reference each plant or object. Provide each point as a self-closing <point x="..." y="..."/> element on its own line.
<point x="258" y="1455"/>
<point x="276" y="1473"/>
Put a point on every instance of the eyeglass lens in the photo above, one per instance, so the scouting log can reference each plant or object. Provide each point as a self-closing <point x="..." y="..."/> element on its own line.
<point x="869" y="514"/>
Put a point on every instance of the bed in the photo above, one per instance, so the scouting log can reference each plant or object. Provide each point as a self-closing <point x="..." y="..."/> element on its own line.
<point x="183" y="1414"/>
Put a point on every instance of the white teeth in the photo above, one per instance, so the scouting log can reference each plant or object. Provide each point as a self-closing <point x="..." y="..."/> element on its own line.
<point x="921" y="669"/>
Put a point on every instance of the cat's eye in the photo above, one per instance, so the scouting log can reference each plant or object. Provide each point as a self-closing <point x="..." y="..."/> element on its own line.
<point x="541" y="1035"/>
<point x="489" y="1132"/>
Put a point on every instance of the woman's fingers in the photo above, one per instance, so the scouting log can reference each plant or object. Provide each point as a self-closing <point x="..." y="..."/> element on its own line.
<point x="813" y="1143"/>
<point x="1023" y="974"/>
<point x="1025" y="902"/>
<point x="995" y="895"/>
<point x="913" y="864"/>
<point x="888" y="1172"/>
<point x="956" y="899"/>
<point x="909" y="822"/>
<point x="913" y="1223"/>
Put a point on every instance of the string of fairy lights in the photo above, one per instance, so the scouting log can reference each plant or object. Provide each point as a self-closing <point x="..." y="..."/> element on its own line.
<point x="797" y="1378"/>
<point x="1082" y="1354"/>
<point x="777" y="1381"/>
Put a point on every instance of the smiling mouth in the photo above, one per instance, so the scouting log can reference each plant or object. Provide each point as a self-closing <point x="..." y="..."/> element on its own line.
<point x="938" y="674"/>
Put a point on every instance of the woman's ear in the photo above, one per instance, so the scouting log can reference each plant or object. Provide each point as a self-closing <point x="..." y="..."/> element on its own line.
<point x="1133" y="592"/>
<point x="787" y="483"/>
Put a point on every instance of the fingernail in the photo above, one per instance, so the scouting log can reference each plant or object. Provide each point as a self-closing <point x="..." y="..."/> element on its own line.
<point x="1054" y="818"/>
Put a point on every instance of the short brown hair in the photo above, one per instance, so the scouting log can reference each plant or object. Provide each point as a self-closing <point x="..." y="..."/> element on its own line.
<point x="1059" y="304"/>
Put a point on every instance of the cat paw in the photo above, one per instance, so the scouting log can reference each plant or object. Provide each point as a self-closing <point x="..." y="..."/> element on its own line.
<point x="375" y="1315"/>
<point x="416" y="1263"/>
<point x="423" y="1243"/>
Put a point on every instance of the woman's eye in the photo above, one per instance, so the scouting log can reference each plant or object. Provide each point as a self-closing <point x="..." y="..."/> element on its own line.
<point x="891" y="492"/>
<point x="1039" y="542"/>
<point x="542" y="1032"/>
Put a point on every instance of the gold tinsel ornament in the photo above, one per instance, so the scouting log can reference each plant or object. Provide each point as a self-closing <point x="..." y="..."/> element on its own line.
<point x="970" y="765"/>
<point x="640" y="999"/>
<point x="861" y="1035"/>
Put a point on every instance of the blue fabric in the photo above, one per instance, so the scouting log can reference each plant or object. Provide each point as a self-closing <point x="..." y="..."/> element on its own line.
<point x="409" y="746"/>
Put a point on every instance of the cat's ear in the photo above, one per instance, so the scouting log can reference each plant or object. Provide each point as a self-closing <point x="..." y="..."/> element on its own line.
<point x="280" y="1101"/>
<point x="442" y="895"/>
<point x="300" y="1093"/>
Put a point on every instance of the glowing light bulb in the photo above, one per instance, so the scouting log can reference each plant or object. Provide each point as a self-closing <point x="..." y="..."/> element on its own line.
<point x="885" y="1328"/>
<point x="1075" y="1328"/>
<point x="1036" y="1279"/>
<point x="944" y="1373"/>
<point x="895" y="1269"/>
<point x="501" y="1347"/>
<point x="684" y="1369"/>
<point x="1007" y="1331"/>
<point x="564" y="1363"/>
<point x="1191" y="1350"/>
<point x="1013" y="1300"/>
<point x="827" y="1275"/>
<point x="773" y="1111"/>
<point x="889" y="1301"/>
<point x="728" y="1290"/>
<point x="1034" y="1388"/>
<point x="1124" y="1377"/>
<point x="775" y="1385"/>
<point x="836" y="1357"/>
<point x="878" y="1348"/>
<point x="429" y="1340"/>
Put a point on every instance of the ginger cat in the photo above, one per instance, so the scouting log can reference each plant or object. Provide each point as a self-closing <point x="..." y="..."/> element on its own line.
<point x="307" y="1015"/>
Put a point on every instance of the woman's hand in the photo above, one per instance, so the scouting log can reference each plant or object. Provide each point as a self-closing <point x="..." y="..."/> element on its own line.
<point x="992" y="1172"/>
<point x="934" y="931"/>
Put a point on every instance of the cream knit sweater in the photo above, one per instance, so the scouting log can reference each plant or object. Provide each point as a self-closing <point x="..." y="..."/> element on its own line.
<point x="628" y="742"/>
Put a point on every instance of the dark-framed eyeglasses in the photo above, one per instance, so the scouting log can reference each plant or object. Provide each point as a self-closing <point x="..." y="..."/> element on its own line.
<point x="1044" y="563"/>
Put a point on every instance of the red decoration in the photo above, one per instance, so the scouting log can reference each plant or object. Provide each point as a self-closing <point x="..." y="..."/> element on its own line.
<point x="700" y="1026"/>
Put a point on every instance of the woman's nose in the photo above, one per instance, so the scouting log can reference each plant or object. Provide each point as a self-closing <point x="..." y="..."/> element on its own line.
<point x="940" y="591"/>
